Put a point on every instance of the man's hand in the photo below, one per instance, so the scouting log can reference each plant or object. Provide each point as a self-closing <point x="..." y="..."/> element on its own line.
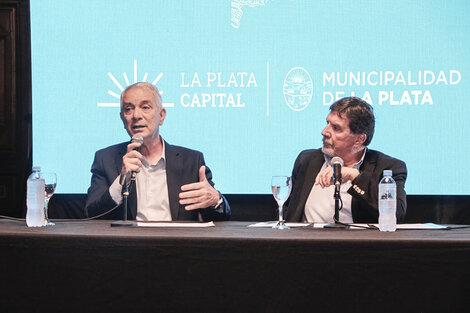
<point x="132" y="160"/>
<point x="199" y="195"/>
<point x="325" y="177"/>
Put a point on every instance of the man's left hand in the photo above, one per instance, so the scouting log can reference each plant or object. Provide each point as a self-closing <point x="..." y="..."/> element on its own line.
<point x="199" y="195"/>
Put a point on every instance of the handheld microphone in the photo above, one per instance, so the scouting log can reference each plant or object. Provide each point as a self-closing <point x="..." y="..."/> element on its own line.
<point x="136" y="138"/>
<point x="126" y="181"/>
<point x="336" y="164"/>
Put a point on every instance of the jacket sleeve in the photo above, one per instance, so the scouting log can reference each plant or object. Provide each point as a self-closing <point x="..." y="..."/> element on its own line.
<point x="365" y="187"/>
<point x="98" y="198"/>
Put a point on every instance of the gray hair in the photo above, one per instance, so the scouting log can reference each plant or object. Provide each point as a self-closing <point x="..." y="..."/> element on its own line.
<point x="147" y="86"/>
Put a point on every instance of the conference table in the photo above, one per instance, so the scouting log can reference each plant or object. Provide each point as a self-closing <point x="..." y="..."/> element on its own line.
<point x="230" y="267"/>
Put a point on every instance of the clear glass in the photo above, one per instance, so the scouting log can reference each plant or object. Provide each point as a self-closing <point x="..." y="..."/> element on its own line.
<point x="50" y="180"/>
<point x="281" y="187"/>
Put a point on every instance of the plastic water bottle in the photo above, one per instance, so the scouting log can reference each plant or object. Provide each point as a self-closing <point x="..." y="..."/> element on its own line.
<point x="35" y="198"/>
<point x="387" y="202"/>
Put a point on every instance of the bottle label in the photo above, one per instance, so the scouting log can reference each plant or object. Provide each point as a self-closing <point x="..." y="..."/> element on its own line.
<point x="387" y="205"/>
<point x="387" y="192"/>
<point x="35" y="200"/>
<point x="35" y="190"/>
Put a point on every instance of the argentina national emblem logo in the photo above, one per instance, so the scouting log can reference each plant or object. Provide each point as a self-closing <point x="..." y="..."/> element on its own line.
<point x="298" y="89"/>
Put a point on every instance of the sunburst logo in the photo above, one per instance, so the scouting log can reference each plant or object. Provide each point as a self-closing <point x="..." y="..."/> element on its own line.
<point x="127" y="83"/>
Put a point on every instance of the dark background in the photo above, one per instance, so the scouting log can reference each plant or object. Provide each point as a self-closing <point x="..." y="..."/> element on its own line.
<point x="421" y="209"/>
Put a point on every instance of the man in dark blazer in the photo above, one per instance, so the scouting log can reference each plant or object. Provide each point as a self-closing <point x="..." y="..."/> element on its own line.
<point x="350" y="127"/>
<point x="171" y="182"/>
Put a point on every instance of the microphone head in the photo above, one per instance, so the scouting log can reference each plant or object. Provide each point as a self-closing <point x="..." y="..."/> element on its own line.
<point x="337" y="160"/>
<point x="137" y="138"/>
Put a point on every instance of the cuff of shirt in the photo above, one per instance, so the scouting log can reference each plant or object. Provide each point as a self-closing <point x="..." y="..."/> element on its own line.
<point x="221" y="200"/>
<point x="115" y="191"/>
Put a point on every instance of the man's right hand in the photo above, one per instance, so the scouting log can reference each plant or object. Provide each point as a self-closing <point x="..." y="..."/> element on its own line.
<point x="132" y="160"/>
<point x="325" y="177"/>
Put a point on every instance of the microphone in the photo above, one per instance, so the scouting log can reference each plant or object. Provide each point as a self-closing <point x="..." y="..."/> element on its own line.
<point x="336" y="164"/>
<point x="136" y="138"/>
<point x="126" y="181"/>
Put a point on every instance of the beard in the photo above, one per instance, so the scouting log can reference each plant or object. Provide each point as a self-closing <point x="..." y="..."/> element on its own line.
<point x="328" y="148"/>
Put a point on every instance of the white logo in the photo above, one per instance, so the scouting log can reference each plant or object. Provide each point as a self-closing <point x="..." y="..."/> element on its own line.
<point x="126" y="80"/>
<point x="298" y="89"/>
<point x="237" y="12"/>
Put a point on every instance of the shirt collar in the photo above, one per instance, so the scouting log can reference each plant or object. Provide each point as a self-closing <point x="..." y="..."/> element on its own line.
<point x="146" y="163"/>
<point x="356" y="166"/>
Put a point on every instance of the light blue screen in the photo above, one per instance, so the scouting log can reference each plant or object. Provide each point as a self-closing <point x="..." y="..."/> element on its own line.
<point x="249" y="82"/>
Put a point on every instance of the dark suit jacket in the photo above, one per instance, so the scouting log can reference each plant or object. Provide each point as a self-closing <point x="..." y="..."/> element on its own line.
<point x="182" y="167"/>
<point x="364" y="189"/>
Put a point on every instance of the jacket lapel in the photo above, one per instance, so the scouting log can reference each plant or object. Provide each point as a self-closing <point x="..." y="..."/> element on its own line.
<point x="305" y="179"/>
<point x="313" y="167"/>
<point x="174" y="168"/>
<point x="132" y="198"/>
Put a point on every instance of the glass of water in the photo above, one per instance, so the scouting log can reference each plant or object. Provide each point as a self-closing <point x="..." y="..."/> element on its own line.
<point x="281" y="187"/>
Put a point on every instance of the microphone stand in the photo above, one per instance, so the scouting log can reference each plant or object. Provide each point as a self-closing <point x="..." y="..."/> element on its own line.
<point x="125" y="195"/>
<point x="336" y="223"/>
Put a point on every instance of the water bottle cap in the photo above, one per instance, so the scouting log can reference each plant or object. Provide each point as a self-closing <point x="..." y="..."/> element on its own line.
<point x="36" y="168"/>
<point x="388" y="172"/>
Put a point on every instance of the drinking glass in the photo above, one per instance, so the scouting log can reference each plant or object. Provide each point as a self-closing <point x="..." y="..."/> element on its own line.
<point x="50" y="180"/>
<point x="281" y="187"/>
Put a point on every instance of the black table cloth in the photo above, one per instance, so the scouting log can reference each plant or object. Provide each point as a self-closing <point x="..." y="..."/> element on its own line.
<point x="92" y="267"/>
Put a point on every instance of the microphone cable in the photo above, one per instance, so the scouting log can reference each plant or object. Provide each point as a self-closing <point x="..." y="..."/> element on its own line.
<point x="62" y="220"/>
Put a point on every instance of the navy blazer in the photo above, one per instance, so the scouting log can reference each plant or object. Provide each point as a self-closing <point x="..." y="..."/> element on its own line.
<point x="182" y="167"/>
<point x="364" y="189"/>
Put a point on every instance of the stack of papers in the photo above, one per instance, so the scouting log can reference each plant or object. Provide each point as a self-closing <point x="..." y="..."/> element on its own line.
<point x="173" y="224"/>
<point x="420" y="226"/>
<point x="355" y="225"/>
<point x="271" y="224"/>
